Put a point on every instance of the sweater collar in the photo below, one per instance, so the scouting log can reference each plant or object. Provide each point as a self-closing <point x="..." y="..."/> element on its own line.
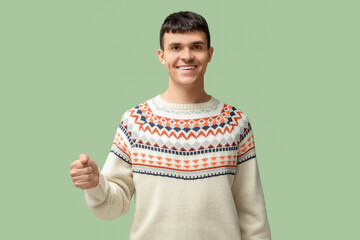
<point x="186" y="106"/>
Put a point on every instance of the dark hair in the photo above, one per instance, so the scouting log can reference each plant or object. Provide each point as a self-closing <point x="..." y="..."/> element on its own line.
<point x="184" y="21"/>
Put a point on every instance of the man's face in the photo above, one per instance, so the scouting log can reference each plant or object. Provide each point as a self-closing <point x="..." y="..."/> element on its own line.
<point x="186" y="56"/>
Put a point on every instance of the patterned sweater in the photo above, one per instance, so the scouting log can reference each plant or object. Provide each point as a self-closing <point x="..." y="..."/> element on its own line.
<point x="192" y="169"/>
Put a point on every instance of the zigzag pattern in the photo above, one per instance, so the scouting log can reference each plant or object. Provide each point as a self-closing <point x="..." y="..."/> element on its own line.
<point x="186" y="128"/>
<point x="184" y="148"/>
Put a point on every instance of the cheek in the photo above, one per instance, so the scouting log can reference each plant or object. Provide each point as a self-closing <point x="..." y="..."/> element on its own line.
<point x="204" y="58"/>
<point x="170" y="68"/>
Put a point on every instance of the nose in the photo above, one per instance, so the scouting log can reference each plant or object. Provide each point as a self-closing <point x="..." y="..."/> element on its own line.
<point x="187" y="54"/>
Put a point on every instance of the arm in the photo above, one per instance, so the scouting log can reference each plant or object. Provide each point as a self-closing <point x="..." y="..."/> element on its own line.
<point x="111" y="197"/>
<point x="248" y="193"/>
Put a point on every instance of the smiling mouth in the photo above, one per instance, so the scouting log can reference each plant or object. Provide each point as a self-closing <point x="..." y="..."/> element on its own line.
<point x="187" y="67"/>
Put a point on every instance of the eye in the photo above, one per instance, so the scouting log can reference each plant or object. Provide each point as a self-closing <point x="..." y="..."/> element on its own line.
<point x="175" y="48"/>
<point x="197" y="47"/>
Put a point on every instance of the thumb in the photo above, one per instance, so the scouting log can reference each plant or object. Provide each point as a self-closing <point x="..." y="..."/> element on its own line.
<point x="84" y="159"/>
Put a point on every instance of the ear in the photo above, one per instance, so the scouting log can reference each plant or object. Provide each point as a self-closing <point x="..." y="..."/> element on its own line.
<point x="211" y="51"/>
<point x="161" y="56"/>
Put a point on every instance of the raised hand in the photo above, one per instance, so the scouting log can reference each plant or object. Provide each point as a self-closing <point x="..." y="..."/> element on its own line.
<point x="84" y="172"/>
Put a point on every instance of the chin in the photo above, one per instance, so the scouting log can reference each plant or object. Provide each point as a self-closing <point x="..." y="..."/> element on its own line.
<point x="190" y="81"/>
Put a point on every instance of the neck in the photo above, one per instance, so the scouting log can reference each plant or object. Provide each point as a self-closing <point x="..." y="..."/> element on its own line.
<point x="185" y="95"/>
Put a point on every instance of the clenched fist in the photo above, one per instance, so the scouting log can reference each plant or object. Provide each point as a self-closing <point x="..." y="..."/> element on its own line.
<point x="84" y="172"/>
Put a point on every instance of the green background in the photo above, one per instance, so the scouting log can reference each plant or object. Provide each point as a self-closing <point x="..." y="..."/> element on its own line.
<point x="69" y="70"/>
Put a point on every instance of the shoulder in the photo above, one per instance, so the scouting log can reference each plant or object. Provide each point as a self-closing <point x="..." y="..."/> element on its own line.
<point x="235" y="113"/>
<point x="134" y="113"/>
<point x="240" y="121"/>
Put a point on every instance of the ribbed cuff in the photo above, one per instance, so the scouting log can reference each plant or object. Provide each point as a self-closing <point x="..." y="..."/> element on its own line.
<point x="97" y="194"/>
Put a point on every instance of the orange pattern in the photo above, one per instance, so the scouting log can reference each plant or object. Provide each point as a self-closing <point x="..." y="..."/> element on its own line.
<point x="186" y="148"/>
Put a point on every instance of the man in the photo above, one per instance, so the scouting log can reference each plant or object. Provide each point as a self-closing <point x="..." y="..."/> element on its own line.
<point x="189" y="158"/>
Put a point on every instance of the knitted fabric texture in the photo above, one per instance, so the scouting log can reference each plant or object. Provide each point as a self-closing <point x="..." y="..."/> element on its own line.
<point x="192" y="168"/>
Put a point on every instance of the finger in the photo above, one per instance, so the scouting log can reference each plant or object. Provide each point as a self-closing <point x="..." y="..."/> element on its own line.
<point x="73" y="164"/>
<point x="82" y="185"/>
<point x="80" y="171"/>
<point x="84" y="159"/>
<point x="76" y="165"/>
<point x="83" y="178"/>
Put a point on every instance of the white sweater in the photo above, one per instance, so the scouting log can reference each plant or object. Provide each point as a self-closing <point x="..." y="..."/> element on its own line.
<point x="193" y="170"/>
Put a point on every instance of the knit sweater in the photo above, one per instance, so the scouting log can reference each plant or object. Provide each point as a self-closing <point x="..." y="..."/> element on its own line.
<point x="192" y="169"/>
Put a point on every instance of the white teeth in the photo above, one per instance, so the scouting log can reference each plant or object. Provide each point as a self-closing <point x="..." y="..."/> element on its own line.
<point x="187" y="68"/>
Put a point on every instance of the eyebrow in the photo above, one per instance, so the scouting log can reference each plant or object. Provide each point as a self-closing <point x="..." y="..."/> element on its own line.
<point x="199" y="42"/>
<point x="193" y="43"/>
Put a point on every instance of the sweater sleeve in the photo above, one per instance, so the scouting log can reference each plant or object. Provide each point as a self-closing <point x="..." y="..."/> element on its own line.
<point x="248" y="193"/>
<point x="111" y="197"/>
